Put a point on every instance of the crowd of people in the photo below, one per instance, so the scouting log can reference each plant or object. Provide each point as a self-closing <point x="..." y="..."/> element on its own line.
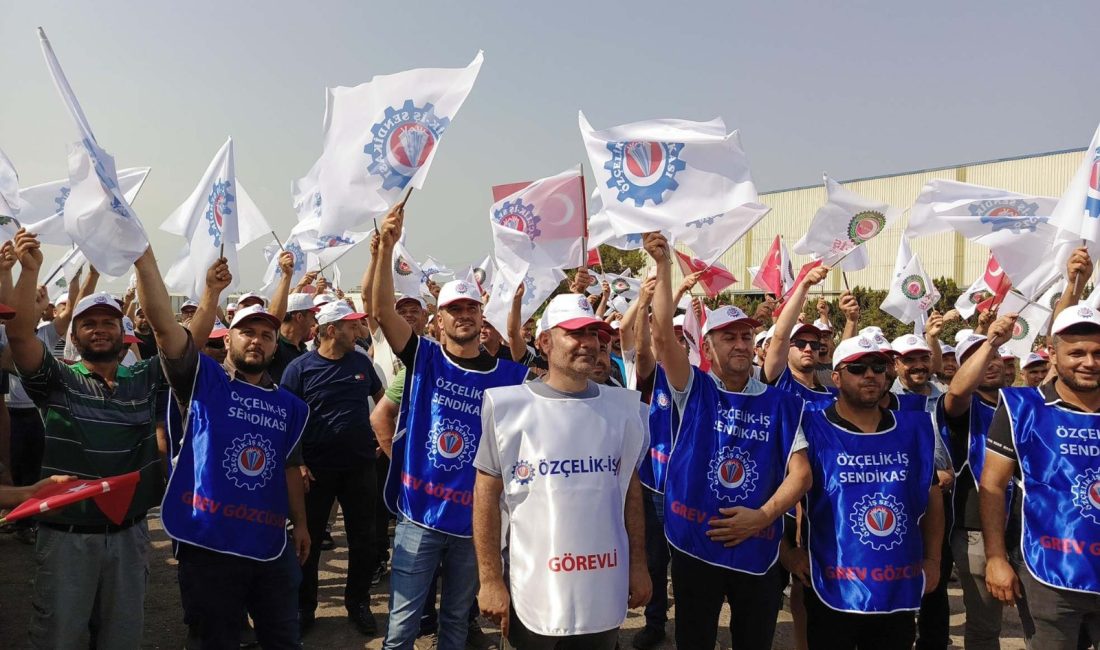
<point x="555" y="475"/>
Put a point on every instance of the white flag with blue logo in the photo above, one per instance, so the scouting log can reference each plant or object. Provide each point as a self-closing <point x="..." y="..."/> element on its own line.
<point x="44" y="213"/>
<point x="303" y="262"/>
<point x="217" y="215"/>
<point x="600" y="231"/>
<point x="97" y="215"/>
<point x="943" y="205"/>
<point x="550" y="212"/>
<point x="11" y="205"/>
<point x="661" y="174"/>
<point x="842" y="226"/>
<point x="407" y="274"/>
<point x="1077" y="215"/>
<point x="539" y="284"/>
<point x="381" y="137"/>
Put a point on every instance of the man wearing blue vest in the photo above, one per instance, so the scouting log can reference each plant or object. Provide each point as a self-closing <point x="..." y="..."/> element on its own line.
<point x="738" y="462"/>
<point x="792" y="354"/>
<point x="1049" y="438"/>
<point x="235" y="479"/>
<point x="431" y="477"/>
<point x="967" y="410"/>
<point x="875" y="511"/>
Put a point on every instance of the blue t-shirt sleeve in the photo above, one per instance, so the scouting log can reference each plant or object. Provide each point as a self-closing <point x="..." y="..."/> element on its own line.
<point x="292" y="376"/>
<point x="375" y="380"/>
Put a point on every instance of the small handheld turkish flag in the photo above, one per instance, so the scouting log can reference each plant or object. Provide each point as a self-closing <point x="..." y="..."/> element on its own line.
<point x="112" y="496"/>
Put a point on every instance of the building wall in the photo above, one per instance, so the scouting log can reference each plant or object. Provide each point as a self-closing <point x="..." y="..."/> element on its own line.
<point x="945" y="255"/>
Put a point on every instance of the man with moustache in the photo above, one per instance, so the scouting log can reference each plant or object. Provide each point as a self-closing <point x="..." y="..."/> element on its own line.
<point x="431" y="477"/>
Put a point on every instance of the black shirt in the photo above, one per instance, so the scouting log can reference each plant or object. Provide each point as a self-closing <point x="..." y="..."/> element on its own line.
<point x="147" y="344"/>
<point x="966" y="507"/>
<point x="885" y="423"/>
<point x="285" y="352"/>
<point x="483" y="362"/>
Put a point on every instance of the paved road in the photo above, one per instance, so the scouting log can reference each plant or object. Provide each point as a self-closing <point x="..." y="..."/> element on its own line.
<point x="164" y="627"/>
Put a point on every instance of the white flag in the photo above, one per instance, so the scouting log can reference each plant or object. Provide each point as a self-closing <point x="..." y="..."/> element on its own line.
<point x="61" y="275"/>
<point x="303" y="263"/>
<point x="911" y="295"/>
<point x="709" y="237"/>
<point x="600" y="231"/>
<point x="97" y="215"/>
<point x="381" y="136"/>
<point x="328" y="247"/>
<point x="407" y="274"/>
<point x="841" y="227"/>
<point x="661" y="174"/>
<point x="539" y="284"/>
<point x="1032" y="321"/>
<point x="967" y="302"/>
<point x="10" y="204"/>
<point x="944" y="205"/>
<point x="44" y="214"/>
<point x="1077" y="215"/>
<point x="550" y="212"/>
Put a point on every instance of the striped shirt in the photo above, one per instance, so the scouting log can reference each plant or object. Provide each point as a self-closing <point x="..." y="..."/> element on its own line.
<point x="94" y="431"/>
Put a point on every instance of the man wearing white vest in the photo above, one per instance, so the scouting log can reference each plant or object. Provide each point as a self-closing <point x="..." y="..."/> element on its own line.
<point x="564" y="452"/>
<point x="1048" y="439"/>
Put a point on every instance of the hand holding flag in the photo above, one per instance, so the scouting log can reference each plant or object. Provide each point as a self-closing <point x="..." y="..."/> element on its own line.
<point x="112" y="495"/>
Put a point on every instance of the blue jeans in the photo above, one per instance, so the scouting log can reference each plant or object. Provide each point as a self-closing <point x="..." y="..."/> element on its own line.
<point x="657" y="558"/>
<point x="417" y="553"/>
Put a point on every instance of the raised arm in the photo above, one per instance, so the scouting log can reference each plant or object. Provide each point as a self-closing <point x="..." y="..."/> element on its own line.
<point x="932" y="330"/>
<point x="61" y="323"/>
<point x="776" y="359"/>
<point x="516" y="345"/>
<point x="7" y="261"/>
<point x="26" y="349"/>
<point x="397" y="331"/>
<point x="170" y="336"/>
<point x="687" y="285"/>
<point x="970" y="372"/>
<point x="218" y="278"/>
<point x="368" y="282"/>
<point x="282" y="290"/>
<point x="850" y="306"/>
<point x="1078" y="272"/>
<point x="672" y="356"/>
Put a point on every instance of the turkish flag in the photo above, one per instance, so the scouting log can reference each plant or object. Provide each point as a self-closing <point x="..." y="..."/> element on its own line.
<point x="806" y="268"/>
<point x="112" y="496"/>
<point x="508" y="189"/>
<point x="594" y="258"/>
<point x="715" y="277"/>
<point x="770" y="276"/>
<point x="693" y="333"/>
<point x="997" y="282"/>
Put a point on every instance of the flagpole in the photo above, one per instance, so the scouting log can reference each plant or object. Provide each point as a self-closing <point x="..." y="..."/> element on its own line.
<point x="584" y="215"/>
<point x="61" y="265"/>
<point x="338" y="257"/>
<point x="844" y="276"/>
<point x="277" y="241"/>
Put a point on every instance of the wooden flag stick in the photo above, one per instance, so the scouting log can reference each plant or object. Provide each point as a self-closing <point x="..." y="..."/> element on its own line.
<point x="844" y="276"/>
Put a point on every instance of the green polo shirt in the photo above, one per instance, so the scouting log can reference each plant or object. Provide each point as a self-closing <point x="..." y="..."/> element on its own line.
<point x="94" y="431"/>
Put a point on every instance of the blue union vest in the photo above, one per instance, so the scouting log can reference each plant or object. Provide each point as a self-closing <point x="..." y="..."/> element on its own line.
<point x="663" y="420"/>
<point x="1059" y="456"/>
<point x="981" y="416"/>
<point x="227" y="491"/>
<point x="431" y="477"/>
<point x="731" y="449"/>
<point x="815" y="400"/>
<point x="868" y="496"/>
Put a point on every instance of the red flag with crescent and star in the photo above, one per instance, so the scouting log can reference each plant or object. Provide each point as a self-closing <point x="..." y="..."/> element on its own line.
<point x="112" y="495"/>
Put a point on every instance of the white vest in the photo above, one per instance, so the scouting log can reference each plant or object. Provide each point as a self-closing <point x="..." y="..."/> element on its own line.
<point x="566" y="466"/>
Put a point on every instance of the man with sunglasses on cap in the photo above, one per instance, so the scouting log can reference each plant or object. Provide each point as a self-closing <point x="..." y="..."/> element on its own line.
<point x="737" y="464"/>
<point x="875" y="513"/>
<point x="967" y="411"/>
<point x="338" y="447"/>
<point x="235" y="477"/>
<point x="791" y="360"/>
<point x="567" y="448"/>
<point x="99" y="421"/>
<point x="1048" y="439"/>
<point x="431" y="478"/>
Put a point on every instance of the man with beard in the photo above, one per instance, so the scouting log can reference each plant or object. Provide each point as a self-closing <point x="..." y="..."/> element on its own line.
<point x="967" y="409"/>
<point x="99" y="421"/>
<point x="431" y="477"/>
<point x="739" y="463"/>
<point x="235" y="478"/>
<point x="1036" y="368"/>
<point x="875" y="514"/>
<point x="790" y="363"/>
<point x="549" y="601"/>
<point x="950" y="366"/>
<point x="1046" y="439"/>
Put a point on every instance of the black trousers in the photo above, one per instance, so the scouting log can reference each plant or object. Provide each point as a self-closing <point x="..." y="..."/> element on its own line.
<point x="28" y="442"/>
<point x="217" y="589"/>
<point x="357" y="491"/>
<point x="934" y="618"/>
<point x="521" y="638"/>
<point x="829" y="629"/>
<point x="656" y="557"/>
<point x="700" y="590"/>
<point x="380" y="547"/>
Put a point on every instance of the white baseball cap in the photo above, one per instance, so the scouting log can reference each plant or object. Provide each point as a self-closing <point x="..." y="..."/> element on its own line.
<point x="909" y="343"/>
<point x="322" y="299"/>
<point x="854" y="348"/>
<point x="251" y="312"/>
<point x="799" y="328"/>
<point x="456" y="290"/>
<point x="189" y="304"/>
<point x="678" y="320"/>
<point x="251" y="296"/>
<point x="337" y="310"/>
<point x="417" y="299"/>
<point x="969" y="344"/>
<point x="231" y="307"/>
<point x="97" y="300"/>
<point x="1005" y="353"/>
<point x="726" y="316"/>
<point x="1079" y="314"/>
<point x="1032" y="359"/>
<point x="299" y="302"/>
<point x="570" y="311"/>
<point x="823" y="325"/>
<point x="761" y="337"/>
<point x="219" y="331"/>
<point x="946" y="349"/>
<point x="128" y="334"/>
<point x="962" y="335"/>
<point x="875" y="334"/>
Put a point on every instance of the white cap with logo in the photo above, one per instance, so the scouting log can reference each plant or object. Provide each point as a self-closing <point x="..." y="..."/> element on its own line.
<point x="336" y="311"/>
<point x="101" y="299"/>
<point x="1079" y="314"/>
<point x="253" y="296"/>
<point x="968" y="345"/>
<point x="726" y="317"/>
<point x="456" y="290"/>
<point x="909" y="343"/>
<point x="1032" y="359"/>
<point x="875" y="334"/>
<point x="570" y="311"/>
<point x="855" y="348"/>
<point x="252" y="312"/>
<point x="299" y="302"/>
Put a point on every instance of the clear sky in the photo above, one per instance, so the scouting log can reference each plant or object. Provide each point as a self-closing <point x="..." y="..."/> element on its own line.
<point x="857" y="88"/>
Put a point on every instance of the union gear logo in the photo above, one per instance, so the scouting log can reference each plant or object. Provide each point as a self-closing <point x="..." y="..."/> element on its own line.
<point x="732" y="475"/>
<point x="1020" y="330"/>
<point x="865" y="225"/>
<point x="913" y="287"/>
<point x="979" y="296"/>
<point x="879" y="521"/>
<point x="401" y="267"/>
<point x="1086" y="495"/>
<point x="520" y="216"/>
<point x="644" y="171"/>
<point x="403" y="141"/>
<point x="620" y="285"/>
<point x="450" y="445"/>
<point x="523" y="472"/>
<point x="663" y="401"/>
<point x="219" y="205"/>
<point x="249" y="461"/>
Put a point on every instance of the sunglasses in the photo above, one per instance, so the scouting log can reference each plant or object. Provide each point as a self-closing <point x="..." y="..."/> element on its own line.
<point x="216" y="345"/>
<point x="813" y="345"/>
<point x="861" y="368"/>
